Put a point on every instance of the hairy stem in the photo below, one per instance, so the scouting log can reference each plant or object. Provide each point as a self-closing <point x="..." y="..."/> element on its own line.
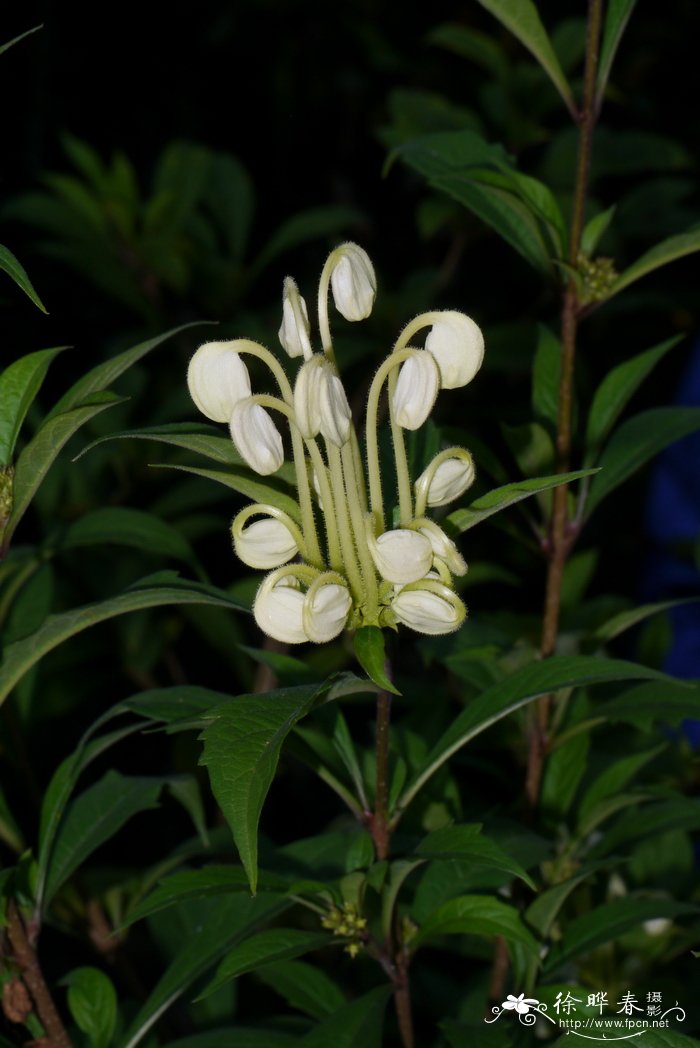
<point x="34" y="980"/>
<point x="560" y="535"/>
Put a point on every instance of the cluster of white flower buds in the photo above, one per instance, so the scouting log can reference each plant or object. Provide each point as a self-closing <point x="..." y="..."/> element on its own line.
<point x="360" y="572"/>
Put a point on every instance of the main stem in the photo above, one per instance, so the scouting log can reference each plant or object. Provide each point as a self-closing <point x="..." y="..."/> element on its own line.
<point x="34" y="980"/>
<point x="560" y="535"/>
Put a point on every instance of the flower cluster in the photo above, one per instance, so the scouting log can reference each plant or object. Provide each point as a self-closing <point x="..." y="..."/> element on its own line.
<point x="358" y="571"/>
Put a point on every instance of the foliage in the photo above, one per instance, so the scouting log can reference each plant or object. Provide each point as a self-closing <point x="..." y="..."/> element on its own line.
<point x="186" y="808"/>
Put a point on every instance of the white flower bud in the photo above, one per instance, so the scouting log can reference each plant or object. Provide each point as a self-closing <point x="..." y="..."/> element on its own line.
<point x="326" y="609"/>
<point x="433" y="610"/>
<point x="218" y="379"/>
<point x="354" y="283"/>
<point x="450" y="479"/>
<point x="335" y="411"/>
<point x="443" y="547"/>
<point x="256" y="437"/>
<point x="278" y="610"/>
<point x="294" y="332"/>
<point x="264" y="544"/>
<point x="457" y="344"/>
<point x="401" y="556"/>
<point x="416" y="389"/>
<point x="307" y="396"/>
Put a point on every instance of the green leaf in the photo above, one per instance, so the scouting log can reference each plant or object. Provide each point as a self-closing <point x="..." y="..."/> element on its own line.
<point x="679" y="813"/>
<point x="277" y="944"/>
<point x="10" y="265"/>
<point x="617" y="389"/>
<point x="40" y="453"/>
<point x="475" y="46"/>
<point x="304" y="987"/>
<point x="19" y="384"/>
<point x="94" y="817"/>
<point x="315" y="223"/>
<point x="667" y="251"/>
<point x="247" y="483"/>
<point x="476" y="915"/>
<point x="23" y="654"/>
<point x="10" y="832"/>
<point x="607" y="923"/>
<point x="357" y="1023"/>
<point x="545" y="376"/>
<point x="189" y="884"/>
<point x="594" y="230"/>
<point x="467" y="842"/>
<point x="224" y="923"/>
<point x="626" y="619"/>
<point x="537" y="678"/>
<point x="500" y="498"/>
<point x="192" y="436"/>
<point x="616" y="18"/>
<point x="92" y="1001"/>
<point x="653" y="702"/>
<point x="635" y="442"/>
<point x="523" y="21"/>
<point x="613" y="780"/>
<point x="369" y="649"/>
<point x="542" y="913"/>
<point x="99" y="378"/>
<point x="241" y="750"/>
<point x="128" y="527"/>
<point x="16" y="40"/>
<point x="563" y="773"/>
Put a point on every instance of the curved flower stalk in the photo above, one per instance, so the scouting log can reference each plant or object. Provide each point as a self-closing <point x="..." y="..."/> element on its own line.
<point x="338" y="565"/>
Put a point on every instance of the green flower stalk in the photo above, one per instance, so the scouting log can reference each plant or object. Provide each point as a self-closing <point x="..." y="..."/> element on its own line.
<point x="337" y="565"/>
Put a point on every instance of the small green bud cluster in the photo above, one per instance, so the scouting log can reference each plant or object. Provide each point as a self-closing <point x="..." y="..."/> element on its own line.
<point x="357" y="572"/>
<point x="598" y="275"/>
<point x="346" y="921"/>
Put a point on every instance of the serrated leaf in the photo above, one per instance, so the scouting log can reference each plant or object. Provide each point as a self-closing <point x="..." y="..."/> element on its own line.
<point x="523" y="21"/>
<point x="522" y="686"/>
<point x="23" y="654"/>
<point x="369" y="649"/>
<point x="500" y="498"/>
<point x="667" y="251"/>
<point x="94" y="817"/>
<point x="228" y="921"/>
<point x="607" y="923"/>
<point x="276" y="944"/>
<point x="616" y="17"/>
<point x="476" y="915"/>
<point x="467" y="842"/>
<point x="92" y="1001"/>
<point x="617" y="389"/>
<point x="19" y="384"/>
<point x="241" y="750"/>
<point x="357" y="1023"/>
<point x="637" y="441"/>
<point x="304" y="987"/>
<point x="10" y="265"/>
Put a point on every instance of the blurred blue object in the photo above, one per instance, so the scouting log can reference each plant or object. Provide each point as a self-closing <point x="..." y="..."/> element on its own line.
<point x="672" y="521"/>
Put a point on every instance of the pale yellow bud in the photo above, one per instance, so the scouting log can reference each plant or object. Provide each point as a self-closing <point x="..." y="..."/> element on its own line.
<point x="256" y="437"/>
<point x="457" y="344"/>
<point x="218" y="379"/>
<point x="354" y="282"/>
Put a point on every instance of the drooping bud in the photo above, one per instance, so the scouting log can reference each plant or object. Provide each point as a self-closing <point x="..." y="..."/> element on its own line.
<point x="278" y="609"/>
<point x="336" y="417"/>
<point x="354" y="282"/>
<point x="401" y="555"/>
<point x="416" y="389"/>
<point x="294" y="332"/>
<point x="457" y="344"/>
<point x="256" y="437"/>
<point x="307" y="396"/>
<point x="218" y="379"/>
<point x="326" y="609"/>
<point x="266" y="543"/>
<point x="450" y="478"/>
<point x="429" y="607"/>
<point x="443" y="547"/>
